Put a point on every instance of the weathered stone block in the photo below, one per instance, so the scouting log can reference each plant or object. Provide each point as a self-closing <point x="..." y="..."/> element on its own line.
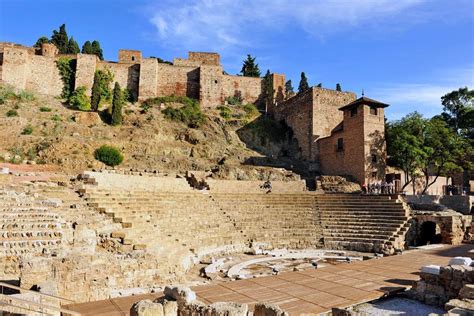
<point x="180" y="294"/>
<point x="265" y="309"/>
<point x="467" y="292"/>
<point x="147" y="308"/>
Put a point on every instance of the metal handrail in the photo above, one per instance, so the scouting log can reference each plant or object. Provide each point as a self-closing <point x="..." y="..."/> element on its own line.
<point x="39" y="305"/>
<point x="14" y="287"/>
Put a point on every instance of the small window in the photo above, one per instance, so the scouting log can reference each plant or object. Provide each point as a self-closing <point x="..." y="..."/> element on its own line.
<point x="373" y="110"/>
<point x="353" y="112"/>
<point x="133" y="58"/>
<point x="215" y="81"/>
<point x="340" y="144"/>
<point x="374" y="158"/>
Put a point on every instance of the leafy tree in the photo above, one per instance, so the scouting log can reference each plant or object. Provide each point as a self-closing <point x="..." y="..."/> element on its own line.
<point x="423" y="148"/>
<point x="458" y="111"/>
<point x="96" y="50"/>
<point x="79" y="100"/>
<point x="117" y="103"/>
<point x="72" y="46"/>
<point x="250" y="68"/>
<point x="87" y="48"/>
<point x="338" y="87"/>
<point x="289" y="88"/>
<point x="41" y="41"/>
<point x="60" y="39"/>
<point x="95" y="96"/>
<point x="303" y="86"/>
<point x="105" y="79"/>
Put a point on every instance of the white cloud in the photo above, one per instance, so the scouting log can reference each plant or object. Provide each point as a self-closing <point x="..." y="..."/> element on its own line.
<point x="423" y="97"/>
<point x="237" y="23"/>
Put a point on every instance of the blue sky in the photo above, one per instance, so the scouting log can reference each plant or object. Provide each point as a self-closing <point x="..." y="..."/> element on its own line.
<point x="407" y="53"/>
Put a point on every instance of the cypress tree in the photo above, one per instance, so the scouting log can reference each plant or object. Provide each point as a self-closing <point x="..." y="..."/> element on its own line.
<point x="303" y="86"/>
<point x="289" y="87"/>
<point x="117" y="106"/>
<point x="320" y="85"/>
<point x="268" y="89"/>
<point x="250" y="68"/>
<point x="87" y="48"/>
<point x="97" y="50"/>
<point x="95" y="96"/>
<point x="72" y="47"/>
<point x="338" y="87"/>
<point x="60" y="39"/>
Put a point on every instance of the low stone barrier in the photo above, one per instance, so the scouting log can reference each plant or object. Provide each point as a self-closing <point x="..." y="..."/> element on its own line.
<point x="182" y="301"/>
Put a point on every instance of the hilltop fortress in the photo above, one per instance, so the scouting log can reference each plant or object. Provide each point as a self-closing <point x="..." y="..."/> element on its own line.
<point x="336" y="133"/>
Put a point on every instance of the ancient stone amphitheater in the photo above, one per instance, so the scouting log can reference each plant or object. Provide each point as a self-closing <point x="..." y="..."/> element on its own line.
<point x="108" y="234"/>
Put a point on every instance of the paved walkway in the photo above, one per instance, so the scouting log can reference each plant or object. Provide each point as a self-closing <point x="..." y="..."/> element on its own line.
<point x="310" y="291"/>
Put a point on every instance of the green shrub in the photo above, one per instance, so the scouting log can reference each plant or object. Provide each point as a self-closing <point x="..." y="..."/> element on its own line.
<point x="28" y="130"/>
<point x="79" y="100"/>
<point x="250" y="109"/>
<point x="11" y="113"/>
<point x="31" y="154"/>
<point x="26" y="96"/>
<point x="109" y="155"/>
<point x="225" y="112"/>
<point x="105" y="79"/>
<point x="6" y="92"/>
<point x="235" y="100"/>
<point x="56" y="118"/>
<point x="189" y="115"/>
<point x="17" y="155"/>
<point x="45" y="109"/>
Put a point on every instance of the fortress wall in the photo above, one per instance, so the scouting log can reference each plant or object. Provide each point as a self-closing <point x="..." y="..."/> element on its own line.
<point x="185" y="62"/>
<point x="148" y="81"/>
<point x="331" y="160"/>
<point x="212" y="59"/>
<point x="85" y="70"/>
<point x="127" y="75"/>
<point x="249" y="88"/>
<point x="211" y="83"/>
<point x="297" y="112"/>
<point x="177" y="80"/>
<point x="43" y="76"/>
<point x="15" y="66"/>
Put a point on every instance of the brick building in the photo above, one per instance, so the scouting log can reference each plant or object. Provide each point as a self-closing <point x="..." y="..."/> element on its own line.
<point x="337" y="134"/>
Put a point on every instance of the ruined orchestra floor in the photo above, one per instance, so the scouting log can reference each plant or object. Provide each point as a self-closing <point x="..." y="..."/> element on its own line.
<point x="310" y="291"/>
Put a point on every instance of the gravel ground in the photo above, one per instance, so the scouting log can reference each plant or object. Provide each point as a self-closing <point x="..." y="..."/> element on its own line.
<point x="398" y="306"/>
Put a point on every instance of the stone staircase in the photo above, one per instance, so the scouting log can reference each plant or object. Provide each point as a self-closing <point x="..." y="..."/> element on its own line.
<point x="363" y="223"/>
<point x="189" y="221"/>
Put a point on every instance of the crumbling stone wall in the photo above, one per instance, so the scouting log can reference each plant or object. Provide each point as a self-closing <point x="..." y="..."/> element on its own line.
<point x="177" y="80"/>
<point x="248" y="88"/>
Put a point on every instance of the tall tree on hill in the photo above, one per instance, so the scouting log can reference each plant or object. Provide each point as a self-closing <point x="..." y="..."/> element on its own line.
<point x="97" y="50"/>
<point x="72" y="46"/>
<point x="319" y="85"/>
<point x="41" y="41"/>
<point x="268" y="91"/>
<point x="250" y="68"/>
<point x="303" y="86"/>
<point x="338" y="87"/>
<point x="87" y="48"/>
<point x="289" y="88"/>
<point x="117" y="103"/>
<point x="95" y="96"/>
<point x="60" y="39"/>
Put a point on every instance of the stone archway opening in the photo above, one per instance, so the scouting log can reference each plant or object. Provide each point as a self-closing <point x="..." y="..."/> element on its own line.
<point x="430" y="233"/>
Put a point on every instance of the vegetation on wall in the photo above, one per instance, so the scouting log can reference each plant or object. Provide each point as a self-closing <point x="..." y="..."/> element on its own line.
<point x="67" y="71"/>
<point x="109" y="155"/>
<point x="250" y="68"/>
<point x="234" y="100"/>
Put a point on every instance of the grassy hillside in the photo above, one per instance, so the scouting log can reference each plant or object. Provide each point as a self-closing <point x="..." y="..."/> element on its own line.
<point x="43" y="130"/>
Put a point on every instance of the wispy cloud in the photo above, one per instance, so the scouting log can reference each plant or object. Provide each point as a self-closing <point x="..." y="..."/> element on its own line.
<point x="218" y="25"/>
<point x="424" y="97"/>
